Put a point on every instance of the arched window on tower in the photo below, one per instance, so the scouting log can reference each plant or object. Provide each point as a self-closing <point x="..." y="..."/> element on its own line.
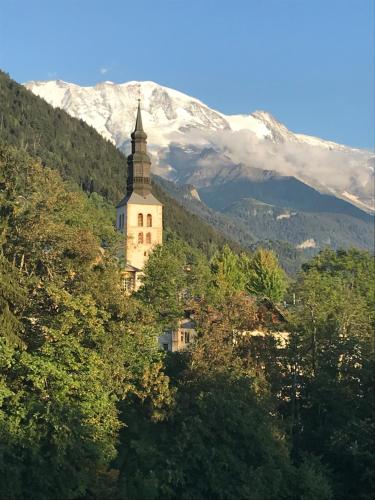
<point x="149" y="220"/>
<point x="140" y="220"/>
<point x="148" y="238"/>
<point x="140" y="237"/>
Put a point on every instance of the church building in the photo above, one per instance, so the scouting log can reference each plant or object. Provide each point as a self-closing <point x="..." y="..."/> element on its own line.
<point x="139" y="213"/>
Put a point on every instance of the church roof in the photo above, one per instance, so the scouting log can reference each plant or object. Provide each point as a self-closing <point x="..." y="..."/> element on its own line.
<point x="137" y="199"/>
<point x="138" y="132"/>
<point x="138" y="122"/>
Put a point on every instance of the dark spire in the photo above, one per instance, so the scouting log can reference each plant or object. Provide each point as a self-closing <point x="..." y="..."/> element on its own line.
<point x="139" y="162"/>
<point x="138" y="122"/>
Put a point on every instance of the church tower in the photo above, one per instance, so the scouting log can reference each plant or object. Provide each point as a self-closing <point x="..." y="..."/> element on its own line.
<point x="139" y="213"/>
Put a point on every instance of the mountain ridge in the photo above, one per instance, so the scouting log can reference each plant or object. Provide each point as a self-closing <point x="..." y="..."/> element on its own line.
<point x="234" y="120"/>
<point x="174" y="119"/>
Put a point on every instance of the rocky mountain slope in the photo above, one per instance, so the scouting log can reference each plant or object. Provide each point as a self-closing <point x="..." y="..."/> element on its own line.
<point x="192" y="143"/>
<point x="246" y="175"/>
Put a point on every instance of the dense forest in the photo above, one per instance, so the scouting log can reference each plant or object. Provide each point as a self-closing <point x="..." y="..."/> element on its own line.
<point x="273" y="400"/>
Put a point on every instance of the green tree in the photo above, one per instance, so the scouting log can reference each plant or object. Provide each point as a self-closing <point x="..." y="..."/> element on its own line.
<point x="228" y="270"/>
<point x="174" y="275"/>
<point x="264" y="276"/>
<point x="332" y="358"/>
<point x="164" y="282"/>
<point x="70" y="347"/>
<point x="221" y="438"/>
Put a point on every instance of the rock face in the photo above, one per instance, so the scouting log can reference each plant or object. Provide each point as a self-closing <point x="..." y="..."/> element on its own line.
<point x="194" y="144"/>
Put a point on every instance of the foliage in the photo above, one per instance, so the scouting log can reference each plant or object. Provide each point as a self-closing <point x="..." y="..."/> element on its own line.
<point x="228" y="268"/>
<point x="219" y="440"/>
<point x="332" y="355"/>
<point x="90" y="408"/>
<point x="265" y="277"/>
<point x="174" y="274"/>
<point x="69" y="348"/>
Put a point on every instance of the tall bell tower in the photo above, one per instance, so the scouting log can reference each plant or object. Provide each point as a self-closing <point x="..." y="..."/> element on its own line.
<point x="139" y="213"/>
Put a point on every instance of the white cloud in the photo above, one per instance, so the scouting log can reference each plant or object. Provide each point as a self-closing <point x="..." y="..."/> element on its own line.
<point x="233" y="152"/>
<point x="103" y="71"/>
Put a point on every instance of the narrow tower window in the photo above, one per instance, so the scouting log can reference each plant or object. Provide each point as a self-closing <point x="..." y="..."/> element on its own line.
<point x="140" y="237"/>
<point x="149" y="220"/>
<point x="140" y="220"/>
<point x="148" y="238"/>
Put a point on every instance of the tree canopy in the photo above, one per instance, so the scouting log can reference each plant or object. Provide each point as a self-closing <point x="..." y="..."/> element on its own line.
<point x="267" y="402"/>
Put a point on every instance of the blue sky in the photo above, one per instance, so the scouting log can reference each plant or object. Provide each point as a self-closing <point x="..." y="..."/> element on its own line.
<point x="308" y="62"/>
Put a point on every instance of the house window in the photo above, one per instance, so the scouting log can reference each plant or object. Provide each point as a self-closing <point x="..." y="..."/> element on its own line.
<point x="128" y="283"/>
<point x="182" y="337"/>
<point x="140" y="237"/>
<point x="187" y="337"/>
<point x="148" y="238"/>
<point x="165" y="347"/>
<point x="149" y="220"/>
<point x="140" y="220"/>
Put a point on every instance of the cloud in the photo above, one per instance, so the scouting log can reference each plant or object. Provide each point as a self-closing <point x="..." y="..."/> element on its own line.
<point x="230" y="154"/>
<point x="103" y="71"/>
<point x="340" y="170"/>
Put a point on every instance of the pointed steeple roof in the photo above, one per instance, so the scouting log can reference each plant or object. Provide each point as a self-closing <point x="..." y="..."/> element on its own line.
<point x="138" y="122"/>
<point x="139" y="133"/>
<point x="139" y="163"/>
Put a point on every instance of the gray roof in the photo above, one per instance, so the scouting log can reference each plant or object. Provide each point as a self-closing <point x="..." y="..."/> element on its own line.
<point x="131" y="269"/>
<point x="138" y="199"/>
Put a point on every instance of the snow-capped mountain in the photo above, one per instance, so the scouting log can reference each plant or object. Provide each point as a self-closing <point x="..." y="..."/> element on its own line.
<point x="193" y="143"/>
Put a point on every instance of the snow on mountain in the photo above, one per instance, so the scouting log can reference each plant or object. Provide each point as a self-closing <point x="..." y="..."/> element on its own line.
<point x="194" y="143"/>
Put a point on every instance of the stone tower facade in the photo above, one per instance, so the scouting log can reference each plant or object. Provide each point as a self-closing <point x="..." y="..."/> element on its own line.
<point x="139" y="214"/>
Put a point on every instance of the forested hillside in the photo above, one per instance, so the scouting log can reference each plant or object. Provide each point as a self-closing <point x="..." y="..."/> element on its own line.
<point x="268" y="403"/>
<point x="291" y="258"/>
<point x="80" y="154"/>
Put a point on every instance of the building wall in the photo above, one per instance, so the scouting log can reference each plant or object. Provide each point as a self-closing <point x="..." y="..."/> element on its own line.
<point x="183" y="335"/>
<point x="136" y="252"/>
<point x="165" y="340"/>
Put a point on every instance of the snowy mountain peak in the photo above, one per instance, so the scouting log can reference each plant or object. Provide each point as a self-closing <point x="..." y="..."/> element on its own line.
<point x="176" y="122"/>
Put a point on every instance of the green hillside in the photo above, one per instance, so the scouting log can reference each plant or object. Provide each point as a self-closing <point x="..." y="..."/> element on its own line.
<point x="319" y="229"/>
<point x="240" y="230"/>
<point x="79" y="153"/>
